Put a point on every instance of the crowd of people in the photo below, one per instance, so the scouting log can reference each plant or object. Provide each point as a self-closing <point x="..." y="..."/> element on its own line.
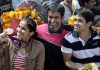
<point x="54" y="45"/>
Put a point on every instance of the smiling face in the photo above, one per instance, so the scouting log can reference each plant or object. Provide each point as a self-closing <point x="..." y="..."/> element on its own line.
<point x="55" y="20"/>
<point x="80" y="24"/>
<point x="23" y="32"/>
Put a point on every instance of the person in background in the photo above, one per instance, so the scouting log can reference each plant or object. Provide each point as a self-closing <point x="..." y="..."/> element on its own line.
<point x="75" y="5"/>
<point x="83" y="49"/>
<point x="51" y="35"/>
<point x="22" y="51"/>
<point x="96" y="8"/>
<point x="87" y="4"/>
<point x="96" y="24"/>
<point x="16" y="3"/>
<point x="68" y="9"/>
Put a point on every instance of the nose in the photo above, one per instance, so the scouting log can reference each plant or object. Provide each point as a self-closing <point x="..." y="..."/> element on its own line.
<point x="53" y="19"/>
<point x="76" y="22"/>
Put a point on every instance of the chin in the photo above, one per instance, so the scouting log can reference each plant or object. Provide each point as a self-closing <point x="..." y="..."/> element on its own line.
<point x="18" y="37"/>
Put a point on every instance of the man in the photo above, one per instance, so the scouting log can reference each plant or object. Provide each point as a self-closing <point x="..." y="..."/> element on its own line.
<point x="84" y="49"/>
<point x="51" y="35"/>
<point x="89" y="5"/>
<point x="68" y="9"/>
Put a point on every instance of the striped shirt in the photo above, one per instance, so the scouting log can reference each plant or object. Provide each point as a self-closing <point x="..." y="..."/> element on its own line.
<point x="19" y="62"/>
<point x="82" y="52"/>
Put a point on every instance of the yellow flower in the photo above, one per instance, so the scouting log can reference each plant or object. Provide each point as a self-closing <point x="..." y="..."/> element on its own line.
<point x="71" y="20"/>
<point x="18" y="14"/>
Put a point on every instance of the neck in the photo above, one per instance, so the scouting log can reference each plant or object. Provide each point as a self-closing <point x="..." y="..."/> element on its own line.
<point x="85" y="35"/>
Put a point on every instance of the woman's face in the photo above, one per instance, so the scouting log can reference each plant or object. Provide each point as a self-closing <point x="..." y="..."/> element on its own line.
<point x="23" y="32"/>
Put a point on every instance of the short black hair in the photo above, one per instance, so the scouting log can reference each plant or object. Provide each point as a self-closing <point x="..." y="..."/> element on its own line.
<point x="87" y="15"/>
<point x="81" y="2"/>
<point x="56" y="7"/>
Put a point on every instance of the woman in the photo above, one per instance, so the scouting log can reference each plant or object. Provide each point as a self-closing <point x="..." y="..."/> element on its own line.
<point x="22" y="52"/>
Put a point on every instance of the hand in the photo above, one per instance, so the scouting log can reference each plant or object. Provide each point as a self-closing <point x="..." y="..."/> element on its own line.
<point x="4" y="35"/>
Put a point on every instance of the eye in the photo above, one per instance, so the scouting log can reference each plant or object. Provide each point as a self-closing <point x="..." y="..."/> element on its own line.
<point x="80" y="20"/>
<point x="50" y="17"/>
<point x="23" y="28"/>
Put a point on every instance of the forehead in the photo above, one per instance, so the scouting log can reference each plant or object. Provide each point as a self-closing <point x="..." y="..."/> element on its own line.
<point x="54" y="13"/>
<point x="79" y="17"/>
<point x="22" y="23"/>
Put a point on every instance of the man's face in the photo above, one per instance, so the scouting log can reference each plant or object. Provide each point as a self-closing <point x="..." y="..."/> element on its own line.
<point x="54" y="20"/>
<point x="91" y="3"/>
<point x="80" y="24"/>
<point x="68" y="2"/>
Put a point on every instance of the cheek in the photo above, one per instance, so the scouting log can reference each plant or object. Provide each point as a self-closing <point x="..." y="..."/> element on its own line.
<point x="17" y="29"/>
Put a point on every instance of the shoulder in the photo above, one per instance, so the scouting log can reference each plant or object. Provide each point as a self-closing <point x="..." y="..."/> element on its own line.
<point x="37" y="44"/>
<point x="70" y="38"/>
<point x="42" y="26"/>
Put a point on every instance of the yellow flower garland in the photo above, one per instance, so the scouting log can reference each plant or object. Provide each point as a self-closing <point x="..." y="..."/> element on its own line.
<point x="18" y="14"/>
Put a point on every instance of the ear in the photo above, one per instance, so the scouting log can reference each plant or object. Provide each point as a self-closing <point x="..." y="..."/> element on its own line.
<point x="89" y="23"/>
<point x="31" y="33"/>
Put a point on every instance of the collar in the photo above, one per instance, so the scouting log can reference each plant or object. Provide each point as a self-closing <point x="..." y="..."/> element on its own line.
<point x="59" y="31"/>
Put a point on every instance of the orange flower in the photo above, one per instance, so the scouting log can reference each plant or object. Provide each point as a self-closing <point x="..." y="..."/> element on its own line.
<point x="34" y="14"/>
<point x="6" y="25"/>
<point x="18" y="14"/>
<point x="6" y="17"/>
<point x="12" y="14"/>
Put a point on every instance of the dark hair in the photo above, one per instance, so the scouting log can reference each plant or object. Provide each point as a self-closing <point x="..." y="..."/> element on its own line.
<point x="31" y="25"/>
<point x="87" y="15"/>
<point x="82" y="2"/>
<point x="56" y="7"/>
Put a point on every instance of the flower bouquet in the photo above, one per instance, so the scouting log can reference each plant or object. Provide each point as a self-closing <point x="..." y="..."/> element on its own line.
<point x="89" y="66"/>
